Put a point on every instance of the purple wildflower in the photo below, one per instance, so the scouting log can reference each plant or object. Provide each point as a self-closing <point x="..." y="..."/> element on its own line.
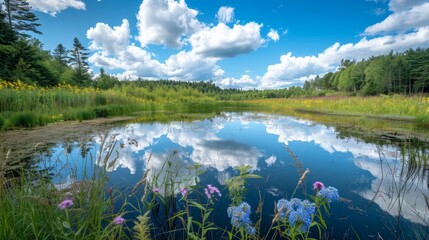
<point x="210" y="190"/>
<point x="156" y="190"/>
<point x="118" y="220"/>
<point x="65" y="204"/>
<point x="318" y="185"/>
<point x="184" y="191"/>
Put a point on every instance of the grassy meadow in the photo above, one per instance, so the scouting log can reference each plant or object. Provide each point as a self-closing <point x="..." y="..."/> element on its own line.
<point x="394" y="107"/>
<point x="24" y="105"/>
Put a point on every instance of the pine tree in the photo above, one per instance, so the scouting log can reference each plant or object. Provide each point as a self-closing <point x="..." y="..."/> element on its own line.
<point x="78" y="59"/>
<point x="20" y="18"/>
<point x="79" y="55"/>
<point x="7" y="37"/>
<point x="61" y="55"/>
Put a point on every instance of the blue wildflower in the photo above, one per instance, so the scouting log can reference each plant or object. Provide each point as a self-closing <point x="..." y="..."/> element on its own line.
<point x="329" y="193"/>
<point x="296" y="211"/>
<point x="240" y="217"/>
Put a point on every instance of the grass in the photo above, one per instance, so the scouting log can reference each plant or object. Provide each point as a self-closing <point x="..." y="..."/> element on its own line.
<point x="23" y="105"/>
<point x="40" y="106"/>
<point x="395" y="107"/>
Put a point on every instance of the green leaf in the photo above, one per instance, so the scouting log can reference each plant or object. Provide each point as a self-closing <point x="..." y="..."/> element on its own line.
<point x="206" y="215"/>
<point x="195" y="204"/>
<point x="189" y="225"/>
<point x="66" y="225"/>
<point x="253" y="176"/>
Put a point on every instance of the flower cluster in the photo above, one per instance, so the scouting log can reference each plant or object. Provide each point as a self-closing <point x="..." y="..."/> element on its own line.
<point x="329" y="193"/>
<point x="296" y="211"/>
<point x="210" y="190"/>
<point x="240" y="217"/>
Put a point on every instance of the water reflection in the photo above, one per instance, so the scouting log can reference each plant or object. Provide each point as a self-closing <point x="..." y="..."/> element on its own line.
<point x="362" y="171"/>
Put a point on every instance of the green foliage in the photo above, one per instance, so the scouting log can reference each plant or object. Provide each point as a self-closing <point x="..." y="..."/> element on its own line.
<point x="85" y="114"/>
<point x="24" y="119"/>
<point x="237" y="185"/>
<point x="101" y="111"/>
<point x="20" y="17"/>
<point x="403" y="73"/>
<point x="2" y="122"/>
<point x="422" y="121"/>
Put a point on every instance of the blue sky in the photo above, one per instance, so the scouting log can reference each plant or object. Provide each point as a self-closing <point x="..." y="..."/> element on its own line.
<point x="237" y="43"/>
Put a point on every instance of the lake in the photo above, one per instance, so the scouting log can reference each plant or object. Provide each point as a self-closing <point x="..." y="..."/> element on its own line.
<point x="382" y="180"/>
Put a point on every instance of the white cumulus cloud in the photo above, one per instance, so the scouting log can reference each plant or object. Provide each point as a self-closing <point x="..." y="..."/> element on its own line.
<point x="112" y="40"/>
<point x="402" y="21"/>
<point x="245" y="82"/>
<point x="273" y="35"/>
<point x="53" y="7"/>
<point x="189" y="66"/>
<point x="225" y="14"/>
<point x="222" y="41"/>
<point x="166" y="22"/>
<point x="113" y="50"/>
<point x="403" y="5"/>
<point x="173" y="24"/>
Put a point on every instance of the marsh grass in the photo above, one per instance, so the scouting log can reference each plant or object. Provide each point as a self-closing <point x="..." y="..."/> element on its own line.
<point x="23" y="105"/>
<point x="394" y="107"/>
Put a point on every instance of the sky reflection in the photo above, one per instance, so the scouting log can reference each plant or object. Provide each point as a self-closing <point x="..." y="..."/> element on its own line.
<point x="258" y="140"/>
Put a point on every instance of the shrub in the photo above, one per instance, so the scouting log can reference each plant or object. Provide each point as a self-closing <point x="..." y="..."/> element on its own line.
<point x="2" y="122"/>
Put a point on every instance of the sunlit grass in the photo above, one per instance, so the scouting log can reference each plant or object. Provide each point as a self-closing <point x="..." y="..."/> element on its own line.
<point x="395" y="107"/>
<point x="64" y="102"/>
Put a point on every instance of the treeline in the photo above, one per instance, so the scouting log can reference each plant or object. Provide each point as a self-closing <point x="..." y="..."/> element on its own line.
<point x="22" y="57"/>
<point x="401" y="73"/>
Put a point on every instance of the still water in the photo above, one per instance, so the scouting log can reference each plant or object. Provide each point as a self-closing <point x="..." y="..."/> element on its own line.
<point x="384" y="193"/>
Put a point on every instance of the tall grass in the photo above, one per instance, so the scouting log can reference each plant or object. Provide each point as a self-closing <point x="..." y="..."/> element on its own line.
<point x="392" y="107"/>
<point x="23" y="105"/>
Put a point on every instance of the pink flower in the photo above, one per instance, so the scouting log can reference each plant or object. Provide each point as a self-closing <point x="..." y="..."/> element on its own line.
<point x="156" y="190"/>
<point x="318" y="185"/>
<point x="118" y="220"/>
<point x="210" y="190"/>
<point x="184" y="191"/>
<point x="65" y="204"/>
